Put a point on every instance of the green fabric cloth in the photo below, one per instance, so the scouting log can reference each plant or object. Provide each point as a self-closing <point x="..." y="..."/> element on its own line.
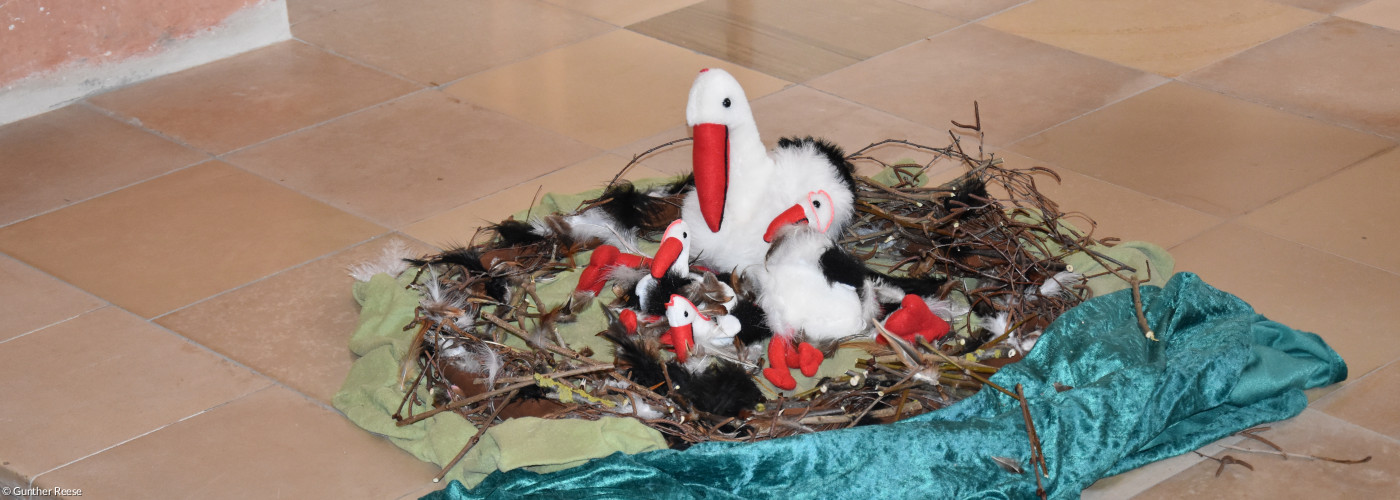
<point x="1219" y="368"/>
<point x="370" y="395"/>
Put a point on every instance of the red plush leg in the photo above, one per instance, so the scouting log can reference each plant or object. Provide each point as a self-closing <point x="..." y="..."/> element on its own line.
<point x="633" y="260"/>
<point x="595" y="276"/>
<point x="914" y="319"/>
<point x="780" y="375"/>
<point x="809" y="359"/>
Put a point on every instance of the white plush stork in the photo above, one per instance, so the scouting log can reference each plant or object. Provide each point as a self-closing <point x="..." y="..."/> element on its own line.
<point x="691" y="331"/>
<point x="739" y="186"/>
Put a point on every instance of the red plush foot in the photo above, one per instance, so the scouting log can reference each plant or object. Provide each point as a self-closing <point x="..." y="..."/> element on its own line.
<point x="595" y="276"/>
<point x="914" y="319"/>
<point x="781" y="378"/>
<point x="808" y="359"/>
<point x="780" y="353"/>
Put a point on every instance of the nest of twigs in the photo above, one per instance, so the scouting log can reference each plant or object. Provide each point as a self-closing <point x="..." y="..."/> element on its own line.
<point x="990" y="229"/>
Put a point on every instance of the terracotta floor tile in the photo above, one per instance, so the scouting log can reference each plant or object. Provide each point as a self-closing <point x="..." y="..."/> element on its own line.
<point x="457" y="226"/>
<point x="437" y="41"/>
<point x="170" y="241"/>
<point x="1344" y="302"/>
<point x="1023" y="86"/>
<point x="606" y="91"/>
<point x="304" y="318"/>
<point x="271" y="444"/>
<point x="1369" y="402"/>
<point x="965" y="9"/>
<point x="299" y="11"/>
<point x="799" y="111"/>
<point x="1119" y="212"/>
<point x="1338" y="70"/>
<point x="412" y="158"/>
<point x="1167" y="37"/>
<point x="252" y="97"/>
<point x="31" y="299"/>
<point x="74" y="153"/>
<point x="793" y="39"/>
<point x="1384" y="13"/>
<point x="1312" y="433"/>
<point x="92" y="382"/>
<point x="1200" y="149"/>
<point x="622" y="12"/>
<point x="1353" y="214"/>
<point x="1324" y="6"/>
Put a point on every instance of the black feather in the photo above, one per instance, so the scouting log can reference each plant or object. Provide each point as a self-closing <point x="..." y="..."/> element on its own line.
<point x="753" y="322"/>
<point x="468" y="258"/>
<point x="679" y="185"/>
<point x="631" y="357"/>
<point x="923" y="287"/>
<point x="834" y="155"/>
<point x="723" y="389"/>
<point x="967" y="195"/>
<point x="841" y="267"/>
<point x="514" y="233"/>
<point x="670" y="284"/>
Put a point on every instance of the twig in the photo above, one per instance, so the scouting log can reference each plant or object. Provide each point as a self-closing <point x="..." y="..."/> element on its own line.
<point x="475" y="437"/>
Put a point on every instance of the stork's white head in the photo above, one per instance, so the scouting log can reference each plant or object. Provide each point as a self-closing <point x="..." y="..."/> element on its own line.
<point x="717" y="98"/>
<point x="683" y="316"/>
<point x="817" y="211"/>
<point x="674" y="253"/>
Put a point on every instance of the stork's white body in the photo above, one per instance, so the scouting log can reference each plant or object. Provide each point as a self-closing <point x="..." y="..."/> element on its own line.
<point x="799" y="300"/>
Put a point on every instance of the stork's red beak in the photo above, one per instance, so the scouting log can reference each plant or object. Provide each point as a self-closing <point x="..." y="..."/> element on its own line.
<point x="793" y="215"/>
<point x="682" y="338"/>
<point x="711" y="166"/>
<point x="666" y="256"/>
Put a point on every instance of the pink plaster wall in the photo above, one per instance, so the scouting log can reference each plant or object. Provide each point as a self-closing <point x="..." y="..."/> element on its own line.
<point x="41" y="35"/>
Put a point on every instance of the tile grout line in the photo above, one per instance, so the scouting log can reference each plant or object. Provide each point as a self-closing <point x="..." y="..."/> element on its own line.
<point x="35" y="478"/>
<point x="1334" y="394"/>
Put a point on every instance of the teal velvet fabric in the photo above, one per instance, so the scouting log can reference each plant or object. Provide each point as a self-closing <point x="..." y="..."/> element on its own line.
<point x="1218" y="368"/>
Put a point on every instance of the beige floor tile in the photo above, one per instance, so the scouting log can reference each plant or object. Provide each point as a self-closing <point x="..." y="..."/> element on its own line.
<point x="299" y="11"/>
<point x="1200" y="149"/>
<point x="1312" y="433"/>
<point x="1138" y="480"/>
<point x="459" y="225"/>
<point x="622" y="12"/>
<point x="1369" y="402"/>
<point x="794" y="39"/>
<point x="89" y="383"/>
<point x="31" y="299"/>
<point x="293" y="327"/>
<point x="1338" y="70"/>
<point x="1167" y="37"/>
<point x="1353" y="214"/>
<point x="1344" y="302"/>
<point x="1023" y="86"/>
<point x="1324" y="6"/>
<point x="170" y="241"/>
<point x="252" y="97"/>
<point x="437" y="41"/>
<point x="965" y="9"/>
<point x="1384" y="13"/>
<point x="1119" y="212"/>
<point x="412" y="158"/>
<point x="271" y="444"/>
<point x="606" y="91"/>
<point x="74" y="153"/>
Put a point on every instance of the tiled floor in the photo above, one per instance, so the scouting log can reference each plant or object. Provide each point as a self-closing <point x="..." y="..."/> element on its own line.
<point x="173" y="300"/>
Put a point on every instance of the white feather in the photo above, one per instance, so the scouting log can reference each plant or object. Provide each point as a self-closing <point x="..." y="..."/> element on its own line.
<point x="1060" y="283"/>
<point x="591" y="224"/>
<point x="946" y="309"/>
<point x="390" y="261"/>
<point x="997" y="324"/>
<point x="490" y="362"/>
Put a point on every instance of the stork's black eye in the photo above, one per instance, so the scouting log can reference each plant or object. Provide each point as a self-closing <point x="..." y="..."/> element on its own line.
<point x="726" y="102"/>
<point x="685" y="313"/>
<point x="816" y="204"/>
<point x="685" y="234"/>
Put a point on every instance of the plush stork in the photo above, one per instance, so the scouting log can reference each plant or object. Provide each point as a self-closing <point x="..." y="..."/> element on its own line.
<point x="739" y="186"/>
<point x="692" y="331"/>
<point x="814" y="292"/>
<point x="670" y="274"/>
